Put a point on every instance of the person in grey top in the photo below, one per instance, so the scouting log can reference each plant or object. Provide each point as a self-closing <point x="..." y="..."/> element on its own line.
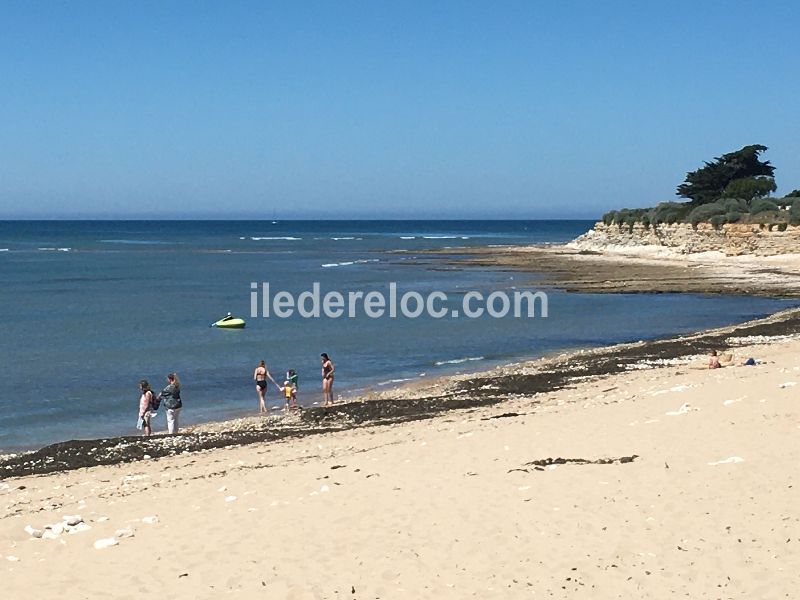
<point x="171" y="399"/>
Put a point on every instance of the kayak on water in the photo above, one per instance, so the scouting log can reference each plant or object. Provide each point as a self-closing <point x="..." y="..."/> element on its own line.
<point x="230" y="322"/>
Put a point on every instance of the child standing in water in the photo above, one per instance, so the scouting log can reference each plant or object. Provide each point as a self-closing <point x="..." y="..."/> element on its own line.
<point x="289" y="395"/>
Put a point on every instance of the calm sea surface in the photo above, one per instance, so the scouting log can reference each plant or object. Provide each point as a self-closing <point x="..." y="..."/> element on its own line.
<point x="92" y="307"/>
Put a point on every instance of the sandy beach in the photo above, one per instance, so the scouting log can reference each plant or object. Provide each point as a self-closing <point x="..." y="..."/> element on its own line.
<point x="677" y="481"/>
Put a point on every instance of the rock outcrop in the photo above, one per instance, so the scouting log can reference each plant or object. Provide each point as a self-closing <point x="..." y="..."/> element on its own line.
<point x="733" y="238"/>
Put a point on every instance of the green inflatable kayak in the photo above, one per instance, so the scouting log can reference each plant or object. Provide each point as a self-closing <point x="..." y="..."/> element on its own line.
<point x="230" y="322"/>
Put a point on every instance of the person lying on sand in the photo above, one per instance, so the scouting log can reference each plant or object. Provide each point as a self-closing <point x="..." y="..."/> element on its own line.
<point x="713" y="360"/>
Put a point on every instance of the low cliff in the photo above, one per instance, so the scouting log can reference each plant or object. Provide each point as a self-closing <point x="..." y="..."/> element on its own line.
<point x="732" y="238"/>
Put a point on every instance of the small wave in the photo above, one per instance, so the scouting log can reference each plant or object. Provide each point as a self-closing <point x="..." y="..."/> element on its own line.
<point x="351" y="262"/>
<point x="457" y="361"/>
<point x="440" y="237"/>
<point x="345" y="238"/>
<point x="48" y="249"/>
<point x="136" y="242"/>
<point x="340" y="264"/>
<point x="3" y="249"/>
<point x="408" y="237"/>
<point x="393" y="381"/>
<point x="287" y="238"/>
<point x="65" y="249"/>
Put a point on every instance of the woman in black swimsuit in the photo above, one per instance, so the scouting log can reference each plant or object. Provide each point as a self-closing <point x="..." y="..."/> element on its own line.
<point x="260" y="376"/>
<point x="327" y="379"/>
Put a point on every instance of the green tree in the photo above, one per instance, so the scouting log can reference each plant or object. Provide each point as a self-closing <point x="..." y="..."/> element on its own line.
<point x="793" y="194"/>
<point x="749" y="188"/>
<point x="708" y="183"/>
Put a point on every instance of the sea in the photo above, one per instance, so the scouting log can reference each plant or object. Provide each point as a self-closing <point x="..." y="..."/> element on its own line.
<point x="92" y="307"/>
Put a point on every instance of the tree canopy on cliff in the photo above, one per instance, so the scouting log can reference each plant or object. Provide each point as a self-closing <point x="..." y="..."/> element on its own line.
<point x="739" y="174"/>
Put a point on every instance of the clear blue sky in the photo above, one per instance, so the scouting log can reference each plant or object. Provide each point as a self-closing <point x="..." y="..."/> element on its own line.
<point x="384" y="109"/>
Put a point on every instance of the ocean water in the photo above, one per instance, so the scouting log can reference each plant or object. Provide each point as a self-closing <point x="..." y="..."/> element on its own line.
<point x="92" y="307"/>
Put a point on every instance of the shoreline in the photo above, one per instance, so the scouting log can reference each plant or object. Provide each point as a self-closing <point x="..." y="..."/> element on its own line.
<point x="418" y="400"/>
<point x="663" y="479"/>
<point x="636" y="269"/>
<point x="562" y="266"/>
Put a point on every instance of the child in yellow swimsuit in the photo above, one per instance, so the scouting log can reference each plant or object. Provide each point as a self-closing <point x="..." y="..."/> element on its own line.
<point x="290" y="395"/>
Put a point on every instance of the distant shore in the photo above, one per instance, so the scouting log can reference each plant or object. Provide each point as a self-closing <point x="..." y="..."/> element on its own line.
<point x="638" y="269"/>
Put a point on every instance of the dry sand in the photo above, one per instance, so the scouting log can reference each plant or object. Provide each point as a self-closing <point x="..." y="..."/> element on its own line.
<point x="451" y="507"/>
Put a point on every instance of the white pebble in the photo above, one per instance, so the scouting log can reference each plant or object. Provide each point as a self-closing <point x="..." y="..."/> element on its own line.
<point x="105" y="543"/>
<point x="125" y="533"/>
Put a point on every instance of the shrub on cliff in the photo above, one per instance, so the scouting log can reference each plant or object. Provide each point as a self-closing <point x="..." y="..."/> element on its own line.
<point x="704" y="212"/>
<point x="794" y="214"/>
<point x="733" y="217"/>
<point x="669" y="212"/>
<point x="609" y="217"/>
<point x="718" y="221"/>
<point x="733" y="204"/>
<point x="762" y="205"/>
<point x="793" y="194"/>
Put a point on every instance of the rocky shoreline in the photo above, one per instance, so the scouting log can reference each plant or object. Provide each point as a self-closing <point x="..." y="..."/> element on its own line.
<point x="633" y="269"/>
<point x="526" y="381"/>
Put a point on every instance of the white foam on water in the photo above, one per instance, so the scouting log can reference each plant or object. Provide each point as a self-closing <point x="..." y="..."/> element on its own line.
<point x="457" y="361"/>
<point x="287" y="238"/>
<point x="393" y="381"/>
<point x="341" y="264"/>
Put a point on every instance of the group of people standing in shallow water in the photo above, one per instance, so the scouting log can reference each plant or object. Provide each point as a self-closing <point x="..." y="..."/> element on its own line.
<point x="170" y="396"/>
<point x="289" y="387"/>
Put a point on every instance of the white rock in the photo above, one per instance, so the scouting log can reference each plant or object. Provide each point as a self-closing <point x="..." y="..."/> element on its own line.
<point x="684" y="409"/>
<point x="105" y="543"/>
<point x="150" y="520"/>
<point x="230" y="498"/>
<point x="725" y="461"/>
<point x="222" y="489"/>
<point x="12" y="558"/>
<point x="79" y="528"/>
<point x="125" y="533"/>
<point x="48" y="534"/>
<point x="37" y="533"/>
<point x="324" y="488"/>
<point x="72" y="520"/>
<point x="56" y="528"/>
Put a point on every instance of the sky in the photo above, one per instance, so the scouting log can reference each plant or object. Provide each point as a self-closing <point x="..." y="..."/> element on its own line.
<point x="347" y="110"/>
